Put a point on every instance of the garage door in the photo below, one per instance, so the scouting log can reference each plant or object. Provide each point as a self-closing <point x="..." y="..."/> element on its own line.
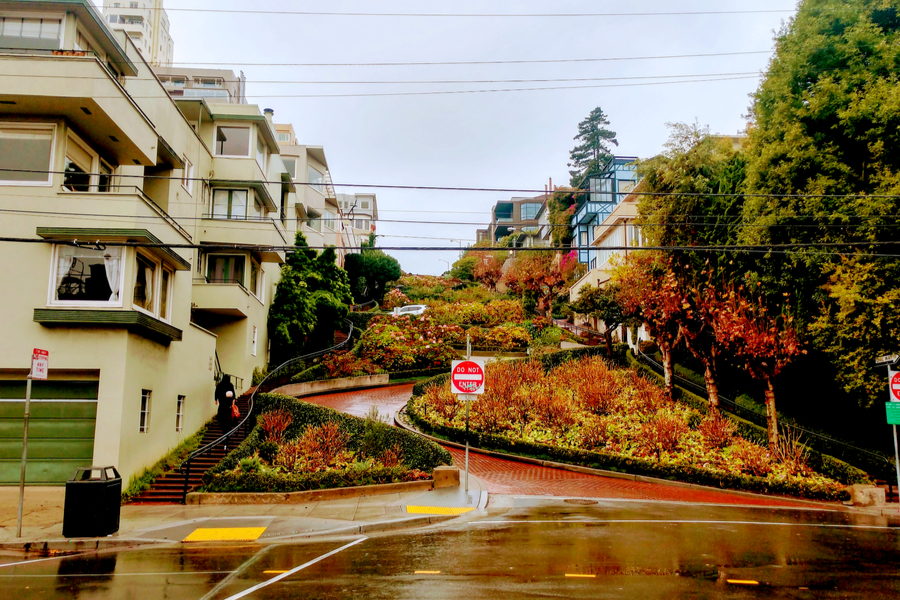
<point x="60" y="431"/>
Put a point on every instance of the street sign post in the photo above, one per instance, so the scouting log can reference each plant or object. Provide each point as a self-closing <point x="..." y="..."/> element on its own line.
<point x="467" y="381"/>
<point x="40" y="367"/>
<point x="893" y="413"/>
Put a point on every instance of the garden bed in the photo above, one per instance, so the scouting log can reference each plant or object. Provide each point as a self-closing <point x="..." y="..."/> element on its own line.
<point x="590" y="414"/>
<point x="297" y="446"/>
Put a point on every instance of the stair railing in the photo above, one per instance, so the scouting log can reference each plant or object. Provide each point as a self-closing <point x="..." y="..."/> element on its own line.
<point x="273" y="379"/>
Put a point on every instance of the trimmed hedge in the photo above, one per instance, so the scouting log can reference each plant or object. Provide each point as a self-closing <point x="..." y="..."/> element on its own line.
<point x="300" y="482"/>
<point x="418" y="453"/>
<point x="417" y="373"/>
<point x="614" y="462"/>
<point x="826" y="465"/>
<point x="361" y="320"/>
<point x="318" y="373"/>
<point x="314" y="373"/>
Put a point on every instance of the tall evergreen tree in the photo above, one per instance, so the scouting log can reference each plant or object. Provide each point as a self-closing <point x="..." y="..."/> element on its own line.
<point x="593" y="149"/>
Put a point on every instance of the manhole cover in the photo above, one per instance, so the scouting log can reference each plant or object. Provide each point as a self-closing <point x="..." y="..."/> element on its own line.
<point x="580" y="501"/>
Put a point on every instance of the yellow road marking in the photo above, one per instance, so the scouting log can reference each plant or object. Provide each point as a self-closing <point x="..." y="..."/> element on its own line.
<point x="742" y="581"/>
<point x="438" y="510"/>
<point x="428" y="572"/>
<point x="580" y="575"/>
<point x="225" y="534"/>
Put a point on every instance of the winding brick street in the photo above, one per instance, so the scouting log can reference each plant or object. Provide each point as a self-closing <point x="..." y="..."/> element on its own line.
<point x="512" y="477"/>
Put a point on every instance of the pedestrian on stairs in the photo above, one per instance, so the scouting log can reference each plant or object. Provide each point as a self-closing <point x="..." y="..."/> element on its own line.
<point x="224" y="397"/>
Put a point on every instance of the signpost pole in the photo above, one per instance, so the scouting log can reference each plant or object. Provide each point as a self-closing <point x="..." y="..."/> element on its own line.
<point x="897" y="459"/>
<point x="468" y="399"/>
<point x="25" y="455"/>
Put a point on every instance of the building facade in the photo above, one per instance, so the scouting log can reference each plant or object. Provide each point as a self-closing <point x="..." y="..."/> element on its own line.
<point x="147" y="24"/>
<point x="606" y="191"/>
<point x="216" y="85"/>
<point x="153" y="239"/>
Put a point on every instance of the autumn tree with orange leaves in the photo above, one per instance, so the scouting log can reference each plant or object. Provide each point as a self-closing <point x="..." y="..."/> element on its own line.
<point x="543" y="273"/>
<point x="762" y="341"/>
<point x="488" y="269"/>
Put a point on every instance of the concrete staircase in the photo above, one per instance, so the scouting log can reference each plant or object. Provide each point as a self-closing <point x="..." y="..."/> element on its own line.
<point x="168" y="488"/>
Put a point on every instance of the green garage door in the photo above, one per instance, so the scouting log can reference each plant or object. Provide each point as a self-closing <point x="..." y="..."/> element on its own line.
<point x="60" y="431"/>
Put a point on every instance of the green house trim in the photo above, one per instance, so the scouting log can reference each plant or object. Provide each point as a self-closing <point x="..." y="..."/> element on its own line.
<point x="132" y="320"/>
<point x="130" y="235"/>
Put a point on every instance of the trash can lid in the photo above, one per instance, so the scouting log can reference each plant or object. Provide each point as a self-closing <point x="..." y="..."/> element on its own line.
<point x="87" y="473"/>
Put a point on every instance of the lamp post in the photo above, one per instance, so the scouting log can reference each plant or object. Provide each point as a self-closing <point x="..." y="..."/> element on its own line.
<point x="460" y="246"/>
<point x="446" y="261"/>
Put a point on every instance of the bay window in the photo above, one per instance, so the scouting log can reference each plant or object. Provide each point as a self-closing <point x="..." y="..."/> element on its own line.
<point x="232" y="141"/>
<point x="316" y="180"/>
<point x="26" y="153"/>
<point x="290" y="165"/>
<point x="225" y="268"/>
<point x="30" y="33"/>
<point x="84" y="276"/>
<point x="230" y="204"/>
<point x="144" y="284"/>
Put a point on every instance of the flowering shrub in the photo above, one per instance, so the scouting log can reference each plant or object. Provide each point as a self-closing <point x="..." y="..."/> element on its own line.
<point x="409" y="342"/>
<point x="502" y="337"/>
<point x="588" y="405"/>
<point x="393" y="299"/>
<point x="344" y="364"/>
<point x="274" y="423"/>
<point x="491" y="314"/>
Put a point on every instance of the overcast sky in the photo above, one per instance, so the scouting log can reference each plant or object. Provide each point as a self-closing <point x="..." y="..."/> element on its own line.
<point x="516" y="139"/>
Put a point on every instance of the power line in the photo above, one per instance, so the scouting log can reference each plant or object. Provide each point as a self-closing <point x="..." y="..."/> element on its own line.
<point x="476" y="15"/>
<point x="478" y="62"/>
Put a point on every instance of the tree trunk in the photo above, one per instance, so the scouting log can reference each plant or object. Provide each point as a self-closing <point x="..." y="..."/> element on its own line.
<point x="771" y="415"/>
<point x="712" y="387"/>
<point x="667" y="369"/>
<point x="607" y="336"/>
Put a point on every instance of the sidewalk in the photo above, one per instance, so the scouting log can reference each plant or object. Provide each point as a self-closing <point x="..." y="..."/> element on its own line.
<point x="148" y="523"/>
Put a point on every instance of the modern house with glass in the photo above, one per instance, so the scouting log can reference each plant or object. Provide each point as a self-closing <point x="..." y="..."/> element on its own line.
<point x="153" y="232"/>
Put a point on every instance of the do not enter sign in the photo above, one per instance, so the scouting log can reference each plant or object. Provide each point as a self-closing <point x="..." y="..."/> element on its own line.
<point x="895" y="386"/>
<point x="467" y="377"/>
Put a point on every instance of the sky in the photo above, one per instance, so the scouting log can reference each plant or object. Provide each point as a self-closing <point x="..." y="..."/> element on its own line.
<point x="510" y="140"/>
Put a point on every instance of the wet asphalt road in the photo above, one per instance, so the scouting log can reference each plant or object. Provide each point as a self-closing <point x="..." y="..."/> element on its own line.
<point x="532" y="548"/>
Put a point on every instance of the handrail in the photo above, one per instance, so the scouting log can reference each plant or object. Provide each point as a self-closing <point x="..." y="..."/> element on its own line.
<point x="758" y="419"/>
<point x="185" y="466"/>
<point x="566" y="325"/>
<point x="356" y="307"/>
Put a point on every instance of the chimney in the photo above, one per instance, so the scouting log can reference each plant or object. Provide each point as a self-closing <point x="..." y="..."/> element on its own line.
<point x="270" y="115"/>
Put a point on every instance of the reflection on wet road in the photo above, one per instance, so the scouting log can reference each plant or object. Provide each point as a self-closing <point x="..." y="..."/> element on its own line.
<point x="531" y="548"/>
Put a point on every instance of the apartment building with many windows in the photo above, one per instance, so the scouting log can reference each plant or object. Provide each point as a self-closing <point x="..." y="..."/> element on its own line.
<point x="216" y="85"/>
<point x="147" y="24"/>
<point x="156" y="229"/>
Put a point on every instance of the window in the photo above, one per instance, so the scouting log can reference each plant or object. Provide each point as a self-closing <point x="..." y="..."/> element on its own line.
<point x="233" y="141"/>
<point x="187" y="180"/>
<point x="106" y="178"/>
<point x="225" y="268"/>
<point x="30" y="33"/>
<point x="82" y="43"/>
<point x="229" y="204"/>
<point x="361" y="224"/>
<point x="290" y="165"/>
<point x="583" y="239"/>
<point x="257" y="275"/>
<point x="529" y="210"/>
<point x="84" y="275"/>
<point x="132" y="5"/>
<point x="179" y="415"/>
<point x="314" y="221"/>
<point x="328" y="218"/>
<point x="79" y="161"/>
<point x="144" y="284"/>
<point x="283" y="136"/>
<point x="316" y="180"/>
<point x="165" y="292"/>
<point x="253" y="347"/>
<point x="26" y="150"/>
<point x="144" y="426"/>
<point x="364" y="204"/>
<point x="261" y="154"/>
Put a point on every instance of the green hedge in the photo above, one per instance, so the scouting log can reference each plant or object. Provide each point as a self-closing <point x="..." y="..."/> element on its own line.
<point x="272" y="482"/>
<point x="361" y="320"/>
<point x="614" y="462"/>
<point x="418" y="453"/>
<point x="829" y="466"/>
<point x="417" y="373"/>
<point x="318" y="373"/>
<point x="314" y="373"/>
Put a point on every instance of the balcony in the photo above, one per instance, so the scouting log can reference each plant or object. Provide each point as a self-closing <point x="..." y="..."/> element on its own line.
<point x="91" y="99"/>
<point x="225" y="299"/>
<point x="246" y="232"/>
<point x="245" y="172"/>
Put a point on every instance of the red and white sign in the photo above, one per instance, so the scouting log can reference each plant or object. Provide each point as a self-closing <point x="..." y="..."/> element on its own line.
<point x="40" y="364"/>
<point x="467" y="377"/>
<point x="895" y="386"/>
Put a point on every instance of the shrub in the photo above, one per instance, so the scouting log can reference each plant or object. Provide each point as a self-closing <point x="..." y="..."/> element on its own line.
<point x="251" y="464"/>
<point x="662" y="434"/>
<point x="717" y="430"/>
<point x="268" y="451"/>
<point x="349" y="476"/>
<point x="393" y="299"/>
<point x="345" y="364"/>
<point x="259" y="373"/>
<point x="503" y="337"/>
<point x="409" y="342"/>
<point x="755" y="460"/>
<point x="274" y="424"/>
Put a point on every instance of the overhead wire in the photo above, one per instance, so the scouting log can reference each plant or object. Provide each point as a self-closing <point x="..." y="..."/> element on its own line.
<point x="306" y="13"/>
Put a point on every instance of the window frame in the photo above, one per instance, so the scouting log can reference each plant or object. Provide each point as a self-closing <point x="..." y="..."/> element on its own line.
<point x="144" y="413"/>
<point x="296" y="160"/>
<point x="170" y="292"/>
<point x="157" y="277"/>
<point x="51" y="16"/>
<point x="251" y="151"/>
<point x="179" y="413"/>
<point x="187" y="176"/>
<point x="214" y="255"/>
<point x="32" y="125"/>
<point x="319" y="187"/>
<point x="262" y="157"/>
<point x="257" y="290"/>
<point x="250" y="195"/>
<point x="254" y="342"/>
<point x="53" y="285"/>
<point x="310" y="219"/>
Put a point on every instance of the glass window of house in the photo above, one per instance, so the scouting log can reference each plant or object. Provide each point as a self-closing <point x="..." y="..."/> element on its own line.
<point x="361" y="224"/>
<point x="229" y="204"/>
<point x="105" y="183"/>
<point x="529" y="210"/>
<point x="258" y="210"/>
<point x="144" y="425"/>
<point x="364" y="204"/>
<point x="256" y="279"/>
<point x="328" y="218"/>
<point x="165" y="290"/>
<point x="316" y="180"/>
<point x="315" y="221"/>
<point x="37" y="34"/>
<point x="179" y="414"/>
<point x="144" y="283"/>
<point x="187" y="180"/>
<point x="290" y="165"/>
<point x="87" y="275"/>
<point x="79" y="161"/>
<point x="225" y="268"/>
<point x="25" y="149"/>
<point x="283" y="136"/>
<point x="261" y="153"/>
<point x="232" y="141"/>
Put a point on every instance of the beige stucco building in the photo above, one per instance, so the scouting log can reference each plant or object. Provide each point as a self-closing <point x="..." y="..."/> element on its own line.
<point x="146" y="22"/>
<point x="152" y="232"/>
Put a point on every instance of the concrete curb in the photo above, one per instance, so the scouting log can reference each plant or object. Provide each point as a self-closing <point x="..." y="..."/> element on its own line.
<point x="614" y="474"/>
<point x="250" y="498"/>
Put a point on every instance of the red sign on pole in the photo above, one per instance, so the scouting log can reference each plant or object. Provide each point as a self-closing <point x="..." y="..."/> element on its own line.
<point x="895" y="386"/>
<point x="467" y="377"/>
<point x="40" y="364"/>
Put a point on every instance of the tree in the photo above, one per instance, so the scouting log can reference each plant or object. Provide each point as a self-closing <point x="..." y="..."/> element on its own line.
<point x="593" y="150"/>
<point x="464" y="268"/>
<point x="488" y="269"/>
<point x="543" y="273"/>
<point x="650" y="292"/>
<point x="702" y="304"/>
<point x="370" y="271"/>
<point x="561" y="207"/>
<point x="602" y="303"/>
<point x="764" y="343"/>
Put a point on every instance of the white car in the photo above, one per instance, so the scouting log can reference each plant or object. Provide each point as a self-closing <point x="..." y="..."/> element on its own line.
<point x="410" y="309"/>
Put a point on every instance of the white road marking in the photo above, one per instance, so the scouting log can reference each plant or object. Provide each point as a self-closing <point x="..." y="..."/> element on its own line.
<point x="28" y="562"/>
<point x="685" y="522"/>
<point x="277" y="578"/>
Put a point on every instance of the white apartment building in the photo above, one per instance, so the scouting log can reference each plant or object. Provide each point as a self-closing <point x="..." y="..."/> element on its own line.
<point x="360" y="212"/>
<point x="147" y="24"/>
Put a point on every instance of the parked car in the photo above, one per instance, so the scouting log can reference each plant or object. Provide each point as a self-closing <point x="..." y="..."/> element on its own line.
<point x="410" y="309"/>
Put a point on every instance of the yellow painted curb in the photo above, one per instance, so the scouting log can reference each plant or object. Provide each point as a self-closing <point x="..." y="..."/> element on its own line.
<point x="438" y="510"/>
<point x="227" y="534"/>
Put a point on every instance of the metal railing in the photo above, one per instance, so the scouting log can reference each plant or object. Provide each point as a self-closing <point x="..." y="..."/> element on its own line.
<point x="872" y="462"/>
<point x="362" y="307"/>
<point x="273" y="380"/>
<point x="575" y="328"/>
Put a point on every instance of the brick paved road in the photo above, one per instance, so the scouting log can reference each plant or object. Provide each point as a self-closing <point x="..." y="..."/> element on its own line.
<point x="511" y="477"/>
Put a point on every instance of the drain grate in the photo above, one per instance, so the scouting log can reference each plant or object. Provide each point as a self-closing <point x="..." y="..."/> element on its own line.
<point x="579" y="501"/>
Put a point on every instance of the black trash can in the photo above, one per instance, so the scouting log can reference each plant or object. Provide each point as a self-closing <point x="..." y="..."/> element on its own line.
<point x="93" y="502"/>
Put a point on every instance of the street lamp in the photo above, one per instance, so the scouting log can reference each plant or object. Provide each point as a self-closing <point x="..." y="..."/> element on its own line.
<point x="460" y="246"/>
<point x="446" y="261"/>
